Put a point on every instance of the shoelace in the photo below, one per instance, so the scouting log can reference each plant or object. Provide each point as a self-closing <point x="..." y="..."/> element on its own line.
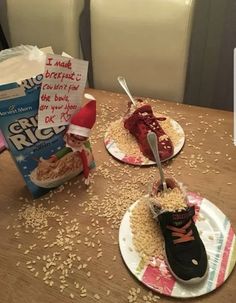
<point x="181" y="233"/>
<point x="153" y="123"/>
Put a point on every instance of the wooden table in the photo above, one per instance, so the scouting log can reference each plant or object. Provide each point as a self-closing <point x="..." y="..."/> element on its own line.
<point x="87" y="243"/>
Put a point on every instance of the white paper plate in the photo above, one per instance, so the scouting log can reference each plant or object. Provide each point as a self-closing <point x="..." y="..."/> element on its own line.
<point x="114" y="150"/>
<point x="220" y="243"/>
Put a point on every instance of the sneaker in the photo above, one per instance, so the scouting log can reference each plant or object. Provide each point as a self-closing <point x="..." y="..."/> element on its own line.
<point x="185" y="252"/>
<point x="139" y="123"/>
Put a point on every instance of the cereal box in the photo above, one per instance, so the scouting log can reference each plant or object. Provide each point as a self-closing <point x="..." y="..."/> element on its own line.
<point x="31" y="147"/>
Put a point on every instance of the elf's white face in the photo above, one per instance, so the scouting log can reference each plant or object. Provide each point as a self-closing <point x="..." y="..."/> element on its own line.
<point x="74" y="141"/>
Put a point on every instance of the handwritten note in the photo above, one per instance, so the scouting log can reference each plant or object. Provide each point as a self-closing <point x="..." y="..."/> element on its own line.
<point x="61" y="91"/>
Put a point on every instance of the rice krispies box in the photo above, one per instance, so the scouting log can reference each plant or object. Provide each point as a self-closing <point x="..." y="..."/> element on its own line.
<point x="31" y="147"/>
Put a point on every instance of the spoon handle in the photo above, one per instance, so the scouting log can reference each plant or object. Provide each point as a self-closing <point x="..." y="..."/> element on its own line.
<point x="152" y="140"/>
<point x="122" y="82"/>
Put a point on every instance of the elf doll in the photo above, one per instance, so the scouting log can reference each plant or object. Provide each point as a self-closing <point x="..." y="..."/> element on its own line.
<point x="77" y="134"/>
<point x="79" y="131"/>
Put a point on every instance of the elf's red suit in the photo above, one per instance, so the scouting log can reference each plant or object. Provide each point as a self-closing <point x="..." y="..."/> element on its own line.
<point x="79" y="131"/>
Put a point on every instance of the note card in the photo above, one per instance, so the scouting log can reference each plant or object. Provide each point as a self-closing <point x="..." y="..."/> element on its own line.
<point x="61" y="91"/>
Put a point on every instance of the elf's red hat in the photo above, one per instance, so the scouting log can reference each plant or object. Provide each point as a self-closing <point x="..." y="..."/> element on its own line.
<point x="82" y="122"/>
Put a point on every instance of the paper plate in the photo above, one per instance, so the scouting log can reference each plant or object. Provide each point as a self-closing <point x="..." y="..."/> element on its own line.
<point x="113" y="149"/>
<point x="220" y="243"/>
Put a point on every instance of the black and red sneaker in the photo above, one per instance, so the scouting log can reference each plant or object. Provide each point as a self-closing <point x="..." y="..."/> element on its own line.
<point x="142" y="121"/>
<point x="185" y="252"/>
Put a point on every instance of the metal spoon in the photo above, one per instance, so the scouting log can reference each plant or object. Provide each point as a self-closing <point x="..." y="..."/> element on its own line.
<point x="122" y="82"/>
<point x="152" y="140"/>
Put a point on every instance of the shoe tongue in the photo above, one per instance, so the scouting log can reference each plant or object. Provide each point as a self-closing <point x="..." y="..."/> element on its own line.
<point x="179" y="219"/>
<point x="146" y="108"/>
